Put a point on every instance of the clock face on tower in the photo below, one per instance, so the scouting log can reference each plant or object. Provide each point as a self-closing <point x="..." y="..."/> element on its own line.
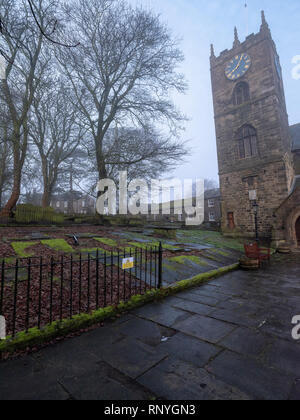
<point x="238" y="66"/>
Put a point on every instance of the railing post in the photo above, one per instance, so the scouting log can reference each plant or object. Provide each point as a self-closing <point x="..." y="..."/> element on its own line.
<point x="160" y="265"/>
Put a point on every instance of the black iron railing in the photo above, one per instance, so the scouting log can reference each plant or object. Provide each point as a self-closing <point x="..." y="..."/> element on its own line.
<point x="35" y="292"/>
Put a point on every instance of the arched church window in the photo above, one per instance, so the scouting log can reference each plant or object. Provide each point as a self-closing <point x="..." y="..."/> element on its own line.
<point x="247" y="141"/>
<point x="241" y="93"/>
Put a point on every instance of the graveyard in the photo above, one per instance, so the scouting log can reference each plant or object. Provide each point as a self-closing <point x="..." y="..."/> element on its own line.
<point x="52" y="273"/>
<point x="188" y="253"/>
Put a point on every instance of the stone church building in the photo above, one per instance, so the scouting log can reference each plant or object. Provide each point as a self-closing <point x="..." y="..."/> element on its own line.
<point x="258" y="151"/>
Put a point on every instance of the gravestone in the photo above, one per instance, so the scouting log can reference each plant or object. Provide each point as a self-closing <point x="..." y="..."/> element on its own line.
<point x="39" y="236"/>
<point x="2" y="328"/>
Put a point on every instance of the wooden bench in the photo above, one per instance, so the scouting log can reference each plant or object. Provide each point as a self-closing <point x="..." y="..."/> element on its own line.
<point x="254" y="252"/>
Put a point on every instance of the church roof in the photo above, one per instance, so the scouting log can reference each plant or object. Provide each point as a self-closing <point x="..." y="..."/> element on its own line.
<point x="295" y="133"/>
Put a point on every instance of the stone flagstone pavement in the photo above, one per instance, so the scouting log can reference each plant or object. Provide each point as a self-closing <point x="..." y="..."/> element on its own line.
<point x="228" y="339"/>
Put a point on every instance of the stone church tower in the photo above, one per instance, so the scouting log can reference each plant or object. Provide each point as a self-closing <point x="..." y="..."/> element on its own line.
<point x="252" y="132"/>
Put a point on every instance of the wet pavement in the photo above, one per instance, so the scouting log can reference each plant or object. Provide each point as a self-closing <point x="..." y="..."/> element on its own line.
<point x="228" y="339"/>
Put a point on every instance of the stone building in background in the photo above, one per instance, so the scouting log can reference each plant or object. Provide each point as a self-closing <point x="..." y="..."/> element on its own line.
<point x="258" y="152"/>
<point x="212" y="207"/>
<point x="73" y="203"/>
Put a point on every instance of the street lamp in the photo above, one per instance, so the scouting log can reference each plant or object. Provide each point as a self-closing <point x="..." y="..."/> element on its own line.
<point x="253" y="198"/>
<point x="255" y="208"/>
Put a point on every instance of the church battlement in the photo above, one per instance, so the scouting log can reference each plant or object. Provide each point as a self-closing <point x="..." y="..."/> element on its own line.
<point x="239" y="47"/>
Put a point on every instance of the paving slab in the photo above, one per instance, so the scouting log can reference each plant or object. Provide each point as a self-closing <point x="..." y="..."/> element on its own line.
<point x="25" y="379"/>
<point x="189" y="306"/>
<point x="70" y="358"/>
<point x="190" y="349"/>
<point x="251" y="376"/>
<point x="284" y="356"/>
<point x="235" y="317"/>
<point x="174" y="379"/>
<point x="211" y="294"/>
<point x="205" y="328"/>
<point x="195" y="297"/>
<point x="246" y="341"/>
<point x="162" y="314"/>
<point x="295" y="393"/>
<point x="146" y="331"/>
<point x="104" y="383"/>
<point x="132" y="357"/>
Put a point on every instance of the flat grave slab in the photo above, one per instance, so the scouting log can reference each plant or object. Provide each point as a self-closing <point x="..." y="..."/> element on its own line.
<point x="37" y="236"/>
<point x="82" y="235"/>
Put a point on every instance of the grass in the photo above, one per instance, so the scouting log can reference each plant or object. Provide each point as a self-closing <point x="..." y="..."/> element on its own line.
<point x="211" y="238"/>
<point x="8" y="260"/>
<point x="148" y="245"/>
<point x="107" y="241"/>
<point x="91" y="250"/>
<point x="182" y="259"/>
<point x="58" y="245"/>
<point x="94" y="250"/>
<point x="220" y="252"/>
<point x="20" y="248"/>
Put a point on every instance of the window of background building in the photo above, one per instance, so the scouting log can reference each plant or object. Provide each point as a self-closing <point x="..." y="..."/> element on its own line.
<point x="211" y="203"/>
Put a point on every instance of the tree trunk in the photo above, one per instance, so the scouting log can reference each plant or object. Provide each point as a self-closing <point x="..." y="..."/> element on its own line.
<point x="46" y="198"/>
<point x="15" y="195"/>
<point x="46" y="192"/>
<point x="19" y="157"/>
<point x="100" y="159"/>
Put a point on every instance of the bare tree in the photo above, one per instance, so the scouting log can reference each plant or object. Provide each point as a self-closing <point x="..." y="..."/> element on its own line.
<point x="210" y="184"/>
<point x="122" y="72"/>
<point x="54" y="132"/>
<point x="143" y="152"/>
<point x="5" y="151"/>
<point x="23" y="73"/>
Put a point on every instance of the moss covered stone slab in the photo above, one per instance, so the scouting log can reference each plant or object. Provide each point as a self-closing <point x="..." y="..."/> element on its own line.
<point x="58" y="245"/>
<point x="20" y="249"/>
<point x="179" y="268"/>
<point x="81" y="235"/>
<point x="148" y="245"/>
<point x="176" y="269"/>
<point x="107" y="241"/>
<point x="216" y="239"/>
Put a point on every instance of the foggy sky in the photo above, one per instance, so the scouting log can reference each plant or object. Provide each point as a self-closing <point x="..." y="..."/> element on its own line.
<point x="200" y="23"/>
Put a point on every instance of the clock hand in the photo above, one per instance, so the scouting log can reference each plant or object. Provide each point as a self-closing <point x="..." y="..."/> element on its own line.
<point x="238" y="65"/>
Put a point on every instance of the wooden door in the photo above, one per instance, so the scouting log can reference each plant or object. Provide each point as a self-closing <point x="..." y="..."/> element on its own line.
<point x="298" y="230"/>
<point x="231" y="223"/>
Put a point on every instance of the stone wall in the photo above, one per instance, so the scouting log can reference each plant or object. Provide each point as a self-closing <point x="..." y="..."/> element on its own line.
<point x="285" y="220"/>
